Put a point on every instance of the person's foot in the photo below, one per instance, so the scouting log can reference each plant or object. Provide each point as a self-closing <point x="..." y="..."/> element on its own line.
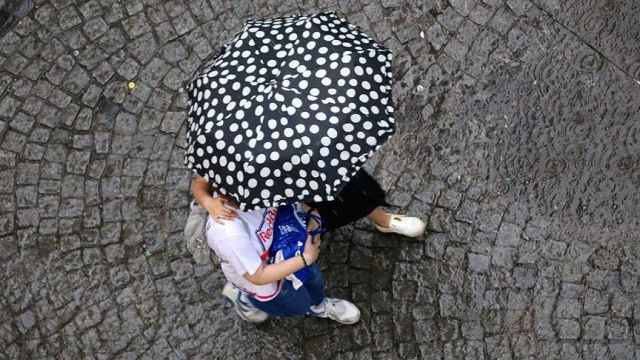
<point x="241" y="304"/>
<point x="338" y="310"/>
<point x="403" y="225"/>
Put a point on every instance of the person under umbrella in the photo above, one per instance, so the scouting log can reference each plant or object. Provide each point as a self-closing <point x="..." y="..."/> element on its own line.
<point x="231" y="238"/>
<point x="274" y="120"/>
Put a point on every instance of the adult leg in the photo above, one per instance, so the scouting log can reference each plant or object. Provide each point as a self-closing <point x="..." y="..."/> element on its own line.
<point x="379" y="217"/>
<point x="359" y="197"/>
<point x="363" y="196"/>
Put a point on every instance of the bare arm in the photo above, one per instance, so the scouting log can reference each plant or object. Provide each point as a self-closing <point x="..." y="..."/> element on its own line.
<point x="216" y="207"/>
<point x="273" y="272"/>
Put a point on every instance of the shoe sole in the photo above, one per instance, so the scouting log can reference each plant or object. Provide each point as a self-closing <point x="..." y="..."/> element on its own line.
<point x="347" y="321"/>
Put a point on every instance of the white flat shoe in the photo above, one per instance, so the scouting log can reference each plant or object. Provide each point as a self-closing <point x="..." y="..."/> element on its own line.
<point x="403" y="225"/>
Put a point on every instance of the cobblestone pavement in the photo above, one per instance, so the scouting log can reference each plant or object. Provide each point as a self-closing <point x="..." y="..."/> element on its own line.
<point x="518" y="141"/>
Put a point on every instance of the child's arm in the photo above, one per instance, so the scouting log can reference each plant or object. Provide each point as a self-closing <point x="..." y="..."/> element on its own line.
<point x="273" y="272"/>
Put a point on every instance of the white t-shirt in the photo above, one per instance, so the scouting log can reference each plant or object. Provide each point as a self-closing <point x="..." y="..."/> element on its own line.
<point x="243" y="248"/>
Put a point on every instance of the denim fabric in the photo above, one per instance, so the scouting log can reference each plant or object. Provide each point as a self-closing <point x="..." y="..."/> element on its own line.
<point x="291" y="302"/>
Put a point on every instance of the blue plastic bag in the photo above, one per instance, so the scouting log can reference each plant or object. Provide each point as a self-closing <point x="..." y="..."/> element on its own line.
<point x="289" y="236"/>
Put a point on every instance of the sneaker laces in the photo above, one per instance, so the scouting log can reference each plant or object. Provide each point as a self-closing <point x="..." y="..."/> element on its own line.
<point x="334" y="308"/>
<point x="318" y="310"/>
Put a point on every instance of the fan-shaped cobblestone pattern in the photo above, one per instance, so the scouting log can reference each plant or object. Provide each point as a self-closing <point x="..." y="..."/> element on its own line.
<point x="516" y="141"/>
<point x="612" y="27"/>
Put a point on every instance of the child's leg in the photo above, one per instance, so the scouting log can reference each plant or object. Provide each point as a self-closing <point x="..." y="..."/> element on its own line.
<point x="288" y="303"/>
<point x="315" y="285"/>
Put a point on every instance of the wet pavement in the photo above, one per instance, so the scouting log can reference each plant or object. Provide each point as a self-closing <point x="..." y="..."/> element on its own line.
<point x="518" y="141"/>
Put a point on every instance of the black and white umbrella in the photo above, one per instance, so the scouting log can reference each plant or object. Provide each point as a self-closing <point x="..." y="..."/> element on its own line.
<point x="290" y="110"/>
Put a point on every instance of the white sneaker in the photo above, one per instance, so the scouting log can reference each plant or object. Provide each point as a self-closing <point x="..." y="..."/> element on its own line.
<point x="403" y="225"/>
<point x="241" y="304"/>
<point x="339" y="310"/>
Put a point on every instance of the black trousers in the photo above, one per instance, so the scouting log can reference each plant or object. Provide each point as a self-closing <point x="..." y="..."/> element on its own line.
<point x="356" y="200"/>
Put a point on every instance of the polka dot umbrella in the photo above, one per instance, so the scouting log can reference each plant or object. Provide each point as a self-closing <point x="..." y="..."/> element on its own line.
<point x="289" y="110"/>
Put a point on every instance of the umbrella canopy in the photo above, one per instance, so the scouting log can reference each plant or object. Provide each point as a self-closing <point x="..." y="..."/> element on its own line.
<point x="289" y="110"/>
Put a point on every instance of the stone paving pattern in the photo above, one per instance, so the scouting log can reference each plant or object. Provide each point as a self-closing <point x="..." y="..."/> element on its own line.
<point x="517" y="142"/>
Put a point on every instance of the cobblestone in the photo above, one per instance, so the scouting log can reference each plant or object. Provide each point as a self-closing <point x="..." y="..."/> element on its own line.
<point x="529" y="200"/>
